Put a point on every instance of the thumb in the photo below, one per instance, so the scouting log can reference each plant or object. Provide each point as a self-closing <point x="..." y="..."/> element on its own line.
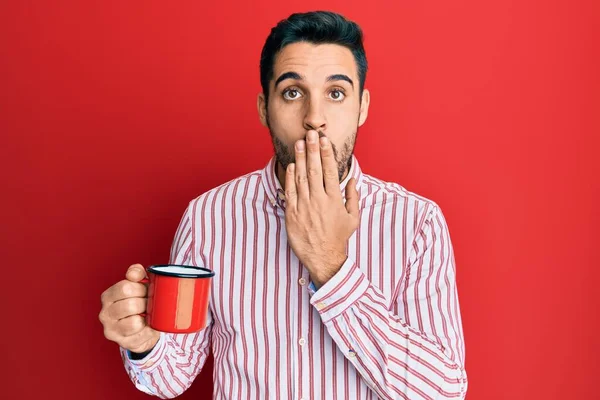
<point x="135" y="273"/>
<point x="352" y="198"/>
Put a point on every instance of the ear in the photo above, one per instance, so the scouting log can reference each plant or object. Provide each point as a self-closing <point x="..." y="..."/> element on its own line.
<point x="261" y="104"/>
<point x="364" y="107"/>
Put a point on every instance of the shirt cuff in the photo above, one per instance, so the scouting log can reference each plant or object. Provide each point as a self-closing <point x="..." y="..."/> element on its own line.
<point x="152" y="359"/>
<point x="341" y="291"/>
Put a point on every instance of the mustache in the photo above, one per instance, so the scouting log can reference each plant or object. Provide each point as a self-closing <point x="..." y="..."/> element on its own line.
<point x="319" y="131"/>
<point x="333" y="147"/>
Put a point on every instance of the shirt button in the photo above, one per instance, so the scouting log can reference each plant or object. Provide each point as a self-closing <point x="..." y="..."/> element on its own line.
<point x="302" y="281"/>
<point x="301" y="342"/>
<point x="351" y="353"/>
<point x="320" y="306"/>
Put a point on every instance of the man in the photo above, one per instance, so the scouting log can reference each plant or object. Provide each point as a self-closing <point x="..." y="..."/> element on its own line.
<point x="329" y="282"/>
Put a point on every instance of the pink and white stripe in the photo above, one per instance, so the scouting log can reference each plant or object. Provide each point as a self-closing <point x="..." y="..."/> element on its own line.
<point x="387" y="325"/>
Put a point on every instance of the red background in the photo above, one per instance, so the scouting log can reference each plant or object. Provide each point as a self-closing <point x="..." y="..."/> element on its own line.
<point x="113" y="116"/>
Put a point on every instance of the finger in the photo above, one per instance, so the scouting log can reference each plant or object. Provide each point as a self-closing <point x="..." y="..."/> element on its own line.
<point x="135" y="273"/>
<point x="131" y="325"/>
<point x="352" y="198"/>
<point x="127" y="307"/>
<point x="314" y="170"/>
<point x="122" y="290"/>
<point x="301" y="179"/>
<point x="291" y="196"/>
<point x="330" y="168"/>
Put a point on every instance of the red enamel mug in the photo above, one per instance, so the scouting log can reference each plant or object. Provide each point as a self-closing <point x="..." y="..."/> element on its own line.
<point x="178" y="297"/>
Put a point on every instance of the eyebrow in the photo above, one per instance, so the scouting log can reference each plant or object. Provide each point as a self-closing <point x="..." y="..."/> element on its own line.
<point x="298" y="77"/>
<point x="288" y="75"/>
<point x="340" y="77"/>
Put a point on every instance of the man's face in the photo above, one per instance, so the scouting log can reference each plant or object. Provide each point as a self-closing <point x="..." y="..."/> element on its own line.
<point x="314" y="87"/>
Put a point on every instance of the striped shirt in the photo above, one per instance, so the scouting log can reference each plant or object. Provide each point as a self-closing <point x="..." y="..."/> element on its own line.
<point x="386" y="325"/>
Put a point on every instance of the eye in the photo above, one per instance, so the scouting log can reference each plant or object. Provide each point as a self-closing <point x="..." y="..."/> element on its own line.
<point x="337" y="95"/>
<point x="291" y="94"/>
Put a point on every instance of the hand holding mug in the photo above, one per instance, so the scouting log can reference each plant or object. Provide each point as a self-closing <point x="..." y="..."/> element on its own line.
<point x="123" y="307"/>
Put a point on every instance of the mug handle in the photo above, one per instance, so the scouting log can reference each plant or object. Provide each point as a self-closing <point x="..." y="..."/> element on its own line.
<point x="144" y="280"/>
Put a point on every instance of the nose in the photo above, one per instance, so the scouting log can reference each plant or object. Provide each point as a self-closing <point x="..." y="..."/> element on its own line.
<point x="315" y="117"/>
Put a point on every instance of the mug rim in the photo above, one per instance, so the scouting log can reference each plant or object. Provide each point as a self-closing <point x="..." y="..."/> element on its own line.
<point x="204" y="274"/>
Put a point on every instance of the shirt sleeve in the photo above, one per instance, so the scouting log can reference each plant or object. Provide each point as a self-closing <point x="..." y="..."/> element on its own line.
<point x="423" y="359"/>
<point x="176" y="359"/>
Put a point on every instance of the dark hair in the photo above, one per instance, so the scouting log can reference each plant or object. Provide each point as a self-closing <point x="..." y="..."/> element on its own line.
<point x="317" y="27"/>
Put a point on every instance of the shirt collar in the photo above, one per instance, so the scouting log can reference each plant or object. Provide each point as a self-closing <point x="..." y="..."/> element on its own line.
<point x="276" y="195"/>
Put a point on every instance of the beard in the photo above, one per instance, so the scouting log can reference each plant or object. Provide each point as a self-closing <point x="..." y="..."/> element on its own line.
<point x="285" y="155"/>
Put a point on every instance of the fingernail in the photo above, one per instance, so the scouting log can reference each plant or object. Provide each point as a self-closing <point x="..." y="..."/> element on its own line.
<point x="324" y="142"/>
<point x="300" y="145"/>
<point x="311" y="137"/>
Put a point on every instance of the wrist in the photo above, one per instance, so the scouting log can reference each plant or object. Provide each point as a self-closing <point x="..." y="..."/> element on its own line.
<point x="327" y="269"/>
<point x="142" y="351"/>
<point x="139" y="356"/>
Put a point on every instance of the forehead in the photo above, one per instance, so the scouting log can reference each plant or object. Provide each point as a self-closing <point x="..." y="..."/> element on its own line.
<point x="315" y="61"/>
